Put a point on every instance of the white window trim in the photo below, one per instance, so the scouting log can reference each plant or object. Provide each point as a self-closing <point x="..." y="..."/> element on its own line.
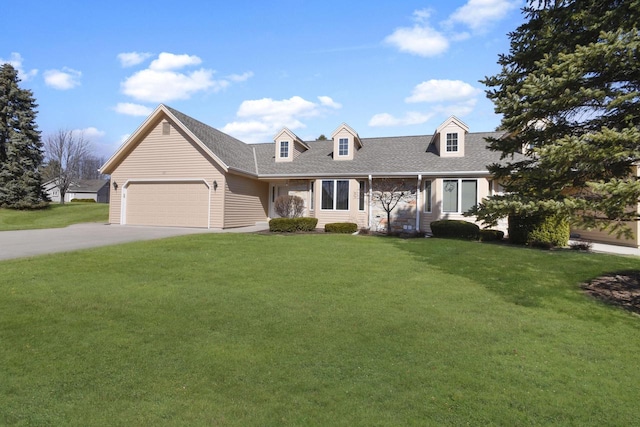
<point x="362" y="192"/>
<point x="346" y="147"/>
<point x="335" y="194"/>
<point x="447" y="142"/>
<point x="284" y="144"/>
<point x="428" y="197"/>
<point x="459" y="195"/>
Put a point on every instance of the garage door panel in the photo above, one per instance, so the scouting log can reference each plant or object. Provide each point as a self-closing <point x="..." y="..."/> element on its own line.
<point x="174" y="204"/>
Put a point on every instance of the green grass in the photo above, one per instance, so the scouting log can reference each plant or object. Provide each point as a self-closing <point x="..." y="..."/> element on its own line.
<point x="55" y="216"/>
<point x="222" y="329"/>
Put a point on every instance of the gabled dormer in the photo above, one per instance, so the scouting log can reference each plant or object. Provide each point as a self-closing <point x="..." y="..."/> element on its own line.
<point x="449" y="137"/>
<point x="345" y="142"/>
<point x="288" y="146"/>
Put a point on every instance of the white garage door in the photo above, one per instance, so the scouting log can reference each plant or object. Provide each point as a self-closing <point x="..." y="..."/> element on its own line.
<point x="172" y="204"/>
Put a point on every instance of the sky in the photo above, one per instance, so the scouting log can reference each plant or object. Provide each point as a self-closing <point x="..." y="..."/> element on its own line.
<point x="250" y="68"/>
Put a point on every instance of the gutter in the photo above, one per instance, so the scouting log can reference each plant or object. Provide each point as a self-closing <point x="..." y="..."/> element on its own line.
<point x="375" y="174"/>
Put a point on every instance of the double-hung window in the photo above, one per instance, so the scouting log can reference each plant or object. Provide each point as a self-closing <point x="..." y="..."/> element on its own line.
<point x="335" y="195"/>
<point x="452" y="142"/>
<point x="284" y="149"/>
<point x="459" y="195"/>
<point x="343" y="147"/>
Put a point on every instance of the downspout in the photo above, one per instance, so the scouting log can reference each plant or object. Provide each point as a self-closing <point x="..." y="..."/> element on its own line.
<point x="418" y="203"/>
<point x="370" y="202"/>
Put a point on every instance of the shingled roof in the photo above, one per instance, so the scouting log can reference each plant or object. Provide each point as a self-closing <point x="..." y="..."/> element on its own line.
<point x="402" y="155"/>
<point x="233" y="152"/>
<point x="390" y="156"/>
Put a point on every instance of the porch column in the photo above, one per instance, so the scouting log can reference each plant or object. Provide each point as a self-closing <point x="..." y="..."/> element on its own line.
<point x="370" y="201"/>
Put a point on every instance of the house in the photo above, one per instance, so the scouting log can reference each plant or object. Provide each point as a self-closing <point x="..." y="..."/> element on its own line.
<point x="177" y="171"/>
<point x="96" y="189"/>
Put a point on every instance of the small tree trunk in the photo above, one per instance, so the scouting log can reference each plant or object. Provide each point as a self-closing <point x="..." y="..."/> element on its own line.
<point x="388" y="222"/>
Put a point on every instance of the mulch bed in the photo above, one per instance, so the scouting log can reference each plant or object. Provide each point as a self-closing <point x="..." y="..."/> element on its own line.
<point x="621" y="289"/>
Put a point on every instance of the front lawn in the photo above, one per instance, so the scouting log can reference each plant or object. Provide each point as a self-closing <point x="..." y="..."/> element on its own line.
<point x="55" y="216"/>
<point x="227" y="329"/>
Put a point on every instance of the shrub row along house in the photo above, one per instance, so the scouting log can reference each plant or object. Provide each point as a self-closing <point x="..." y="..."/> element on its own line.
<point x="177" y="171"/>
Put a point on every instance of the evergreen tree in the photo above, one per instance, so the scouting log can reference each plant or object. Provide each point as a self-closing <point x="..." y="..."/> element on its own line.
<point x="20" y="145"/>
<point x="569" y="94"/>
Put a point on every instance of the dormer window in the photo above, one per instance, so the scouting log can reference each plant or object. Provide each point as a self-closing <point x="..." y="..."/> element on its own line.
<point x="346" y="143"/>
<point x="284" y="149"/>
<point x="287" y="146"/>
<point x="343" y="147"/>
<point x="452" y="142"/>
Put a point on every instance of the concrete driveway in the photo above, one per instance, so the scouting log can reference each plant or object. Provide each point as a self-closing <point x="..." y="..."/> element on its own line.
<point x="25" y="243"/>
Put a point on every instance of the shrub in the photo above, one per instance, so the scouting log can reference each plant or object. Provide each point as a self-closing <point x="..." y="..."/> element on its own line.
<point x="289" y="206"/>
<point x="82" y="201"/>
<point x="290" y="225"/>
<point x="540" y="231"/>
<point x="491" y="235"/>
<point x="341" y="227"/>
<point x="581" y="246"/>
<point x="306" y="224"/>
<point x="458" y="229"/>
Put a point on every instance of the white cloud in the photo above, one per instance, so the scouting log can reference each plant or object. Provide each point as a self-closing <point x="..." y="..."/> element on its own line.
<point x="328" y="102"/>
<point x="16" y="61"/>
<point x="132" y="109"/>
<point x="454" y="97"/>
<point x="129" y="59"/>
<point x="237" y="78"/>
<point x="64" y="79"/>
<point x="170" y="61"/>
<point x="410" y="118"/>
<point x="421" y="39"/>
<point x="442" y="90"/>
<point x="163" y="82"/>
<point x="162" y="86"/>
<point x="458" y="109"/>
<point x="264" y="117"/>
<point x="479" y="14"/>
<point x="270" y="109"/>
<point x="90" y="132"/>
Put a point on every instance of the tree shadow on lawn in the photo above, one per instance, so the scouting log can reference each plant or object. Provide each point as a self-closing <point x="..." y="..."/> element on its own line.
<point x="522" y="276"/>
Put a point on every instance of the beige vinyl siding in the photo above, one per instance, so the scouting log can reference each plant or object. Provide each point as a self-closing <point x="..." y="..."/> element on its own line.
<point x="173" y="204"/>
<point x="326" y="216"/>
<point x="246" y="201"/>
<point x="167" y="157"/>
<point x="437" y="198"/>
<point x="298" y="149"/>
<point x="605" y="237"/>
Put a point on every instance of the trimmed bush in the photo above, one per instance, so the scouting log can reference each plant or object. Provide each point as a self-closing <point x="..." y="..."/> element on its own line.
<point x="341" y="227"/>
<point x="491" y="235"/>
<point x="539" y="231"/>
<point x="291" y="225"/>
<point x="82" y="201"/>
<point x="306" y="224"/>
<point x="454" y="228"/>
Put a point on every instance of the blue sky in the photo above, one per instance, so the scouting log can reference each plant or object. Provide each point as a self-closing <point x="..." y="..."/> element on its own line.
<point x="248" y="68"/>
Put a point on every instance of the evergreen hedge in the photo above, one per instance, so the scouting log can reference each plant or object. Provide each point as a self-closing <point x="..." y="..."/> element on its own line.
<point x="542" y="231"/>
<point x="341" y="227"/>
<point x="455" y="228"/>
<point x="291" y="225"/>
<point x="491" y="235"/>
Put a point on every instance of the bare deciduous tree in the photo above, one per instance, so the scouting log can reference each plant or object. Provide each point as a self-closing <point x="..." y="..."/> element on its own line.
<point x="65" y="152"/>
<point x="289" y="206"/>
<point x="389" y="192"/>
